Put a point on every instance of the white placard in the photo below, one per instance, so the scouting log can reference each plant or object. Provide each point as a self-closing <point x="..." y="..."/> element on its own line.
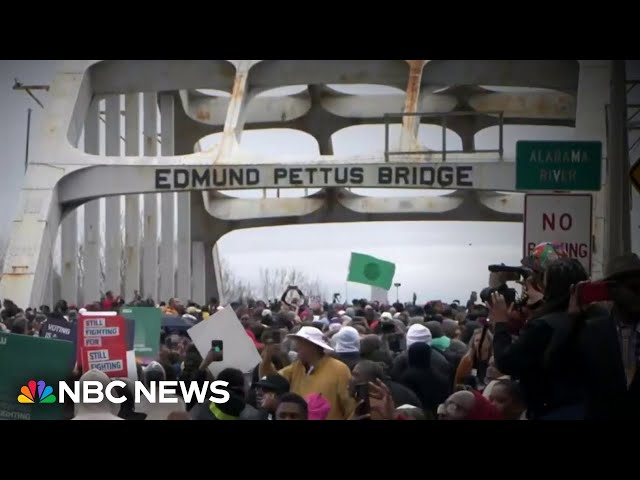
<point x="239" y="350"/>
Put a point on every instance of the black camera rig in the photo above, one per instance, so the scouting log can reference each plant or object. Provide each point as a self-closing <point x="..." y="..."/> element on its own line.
<point x="517" y="274"/>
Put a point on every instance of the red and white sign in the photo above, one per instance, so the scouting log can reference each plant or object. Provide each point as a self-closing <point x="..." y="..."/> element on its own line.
<point x="102" y="344"/>
<point x="566" y="219"/>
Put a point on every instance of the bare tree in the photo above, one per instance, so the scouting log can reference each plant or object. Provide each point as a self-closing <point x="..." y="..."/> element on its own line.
<point x="271" y="282"/>
<point x="233" y="288"/>
<point x="274" y="282"/>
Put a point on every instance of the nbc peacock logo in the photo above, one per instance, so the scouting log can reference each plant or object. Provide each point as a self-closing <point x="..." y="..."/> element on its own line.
<point x="44" y="393"/>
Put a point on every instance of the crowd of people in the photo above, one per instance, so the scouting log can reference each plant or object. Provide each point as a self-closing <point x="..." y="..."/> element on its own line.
<point x="564" y="348"/>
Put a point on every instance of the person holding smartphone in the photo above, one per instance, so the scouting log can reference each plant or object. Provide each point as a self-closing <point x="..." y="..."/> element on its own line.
<point x="610" y="339"/>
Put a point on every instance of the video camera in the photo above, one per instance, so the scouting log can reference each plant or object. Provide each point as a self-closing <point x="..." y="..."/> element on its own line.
<point x="510" y="295"/>
<point x="517" y="272"/>
<point x="505" y="274"/>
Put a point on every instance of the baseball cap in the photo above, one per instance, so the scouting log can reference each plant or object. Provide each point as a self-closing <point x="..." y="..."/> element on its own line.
<point x="275" y="383"/>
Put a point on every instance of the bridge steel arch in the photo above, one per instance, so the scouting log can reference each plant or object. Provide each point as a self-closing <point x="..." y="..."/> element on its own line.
<point x="157" y="108"/>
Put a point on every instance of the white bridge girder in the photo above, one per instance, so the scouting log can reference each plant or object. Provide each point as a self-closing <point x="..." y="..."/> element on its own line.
<point x="61" y="178"/>
<point x="546" y="105"/>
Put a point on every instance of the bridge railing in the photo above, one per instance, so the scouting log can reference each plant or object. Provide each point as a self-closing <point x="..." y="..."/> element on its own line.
<point x="389" y="117"/>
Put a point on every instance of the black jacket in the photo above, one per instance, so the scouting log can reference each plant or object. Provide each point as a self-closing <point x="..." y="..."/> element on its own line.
<point x="379" y="356"/>
<point x="402" y="395"/>
<point x="350" y="359"/>
<point x="546" y="360"/>
<point x="439" y="365"/>
<point x="608" y="394"/>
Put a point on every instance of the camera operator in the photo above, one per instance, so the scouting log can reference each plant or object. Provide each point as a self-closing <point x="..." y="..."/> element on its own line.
<point x="498" y="284"/>
<point x="610" y="339"/>
<point x="553" y="390"/>
<point x="533" y="285"/>
<point x="530" y="275"/>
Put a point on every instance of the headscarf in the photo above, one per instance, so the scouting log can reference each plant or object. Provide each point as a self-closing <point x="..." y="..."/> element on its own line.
<point x="441" y="343"/>
<point x="347" y="340"/>
<point x="543" y="254"/>
<point x="418" y="333"/>
<point x="483" y="409"/>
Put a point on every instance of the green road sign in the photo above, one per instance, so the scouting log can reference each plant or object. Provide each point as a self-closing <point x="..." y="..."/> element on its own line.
<point x="556" y="165"/>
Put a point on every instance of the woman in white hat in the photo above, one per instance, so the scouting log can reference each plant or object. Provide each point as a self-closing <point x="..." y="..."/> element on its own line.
<point x="315" y="372"/>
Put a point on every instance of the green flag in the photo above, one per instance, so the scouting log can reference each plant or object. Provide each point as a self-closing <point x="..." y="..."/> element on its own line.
<point x="371" y="271"/>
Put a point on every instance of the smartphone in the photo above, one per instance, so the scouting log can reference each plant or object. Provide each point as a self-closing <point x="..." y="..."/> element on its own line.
<point x="277" y="336"/>
<point x="362" y="395"/>
<point x="217" y="346"/>
<point x="594" y="292"/>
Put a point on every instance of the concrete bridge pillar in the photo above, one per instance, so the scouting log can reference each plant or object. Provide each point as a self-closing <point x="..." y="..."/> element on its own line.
<point x="150" y="226"/>
<point x="205" y="276"/>
<point x="69" y="257"/>
<point x="91" y="250"/>
<point x="132" y="202"/>
<point x="112" y="240"/>
<point x="591" y="124"/>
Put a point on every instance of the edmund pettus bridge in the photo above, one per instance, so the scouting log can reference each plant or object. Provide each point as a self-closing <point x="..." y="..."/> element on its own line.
<point x="129" y="132"/>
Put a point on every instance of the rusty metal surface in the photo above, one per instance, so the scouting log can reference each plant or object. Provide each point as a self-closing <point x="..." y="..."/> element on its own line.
<point x="412" y="97"/>
<point x="552" y="105"/>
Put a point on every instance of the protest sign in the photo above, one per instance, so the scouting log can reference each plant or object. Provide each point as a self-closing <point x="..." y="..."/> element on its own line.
<point x="146" y="325"/>
<point x="25" y="358"/>
<point x="130" y="333"/>
<point x="102" y="344"/>
<point x="239" y="350"/>
<point x="61" y="329"/>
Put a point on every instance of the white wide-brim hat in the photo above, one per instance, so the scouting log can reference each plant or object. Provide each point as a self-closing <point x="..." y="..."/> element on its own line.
<point x="313" y="335"/>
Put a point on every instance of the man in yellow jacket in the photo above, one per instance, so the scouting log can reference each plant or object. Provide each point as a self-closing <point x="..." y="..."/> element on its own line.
<point x="315" y="372"/>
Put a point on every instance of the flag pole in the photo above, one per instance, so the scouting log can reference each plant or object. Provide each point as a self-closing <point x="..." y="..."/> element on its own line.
<point x="346" y="293"/>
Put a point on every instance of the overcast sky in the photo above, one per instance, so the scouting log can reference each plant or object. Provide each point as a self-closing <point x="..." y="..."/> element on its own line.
<point x="434" y="259"/>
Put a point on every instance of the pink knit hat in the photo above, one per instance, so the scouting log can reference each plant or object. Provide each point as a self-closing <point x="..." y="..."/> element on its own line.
<point x="318" y="406"/>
